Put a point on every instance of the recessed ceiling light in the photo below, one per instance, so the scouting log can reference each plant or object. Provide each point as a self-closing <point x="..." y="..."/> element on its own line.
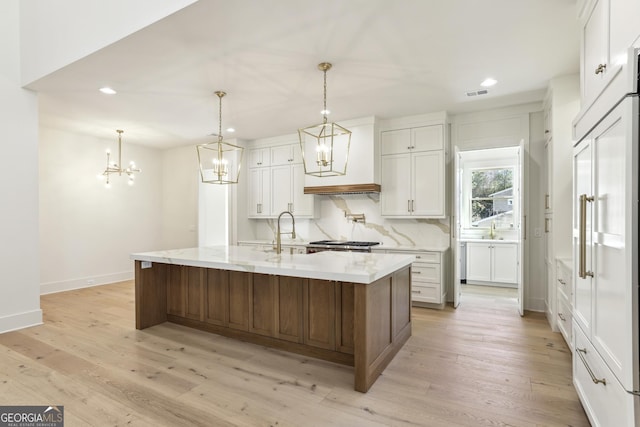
<point x="231" y="130"/>
<point x="108" y="90"/>
<point x="488" y="82"/>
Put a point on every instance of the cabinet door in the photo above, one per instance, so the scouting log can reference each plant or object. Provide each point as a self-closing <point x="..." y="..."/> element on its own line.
<point x="320" y="314"/>
<point x="280" y="189"/>
<point x="428" y="182"/>
<point x="395" y="179"/>
<point x="289" y="300"/>
<point x="238" y="300"/>
<point x="281" y="155"/>
<point x="582" y="182"/>
<point x="262" y="303"/>
<point x="595" y="50"/>
<point x="612" y="321"/>
<point x="258" y="157"/>
<point x="259" y="193"/>
<point x="216" y="296"/>
<point x="302" y="205"/>
<point x="395" y="141"/>
<point x="479" y="261"/>
<point x="427" y="138"/>
<point x="504" y="263"/>
<point x="194" y="293"/>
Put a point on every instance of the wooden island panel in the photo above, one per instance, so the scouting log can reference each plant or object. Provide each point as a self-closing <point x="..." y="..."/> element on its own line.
<point x="361" y="325"/>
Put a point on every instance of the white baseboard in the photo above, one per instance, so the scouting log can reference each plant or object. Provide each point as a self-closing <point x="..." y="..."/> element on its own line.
<point x="86" y="282"/>
<point x="20" y="320"/>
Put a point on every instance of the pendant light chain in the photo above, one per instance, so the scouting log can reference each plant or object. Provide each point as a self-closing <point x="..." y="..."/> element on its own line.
<point x="324" y="111"/>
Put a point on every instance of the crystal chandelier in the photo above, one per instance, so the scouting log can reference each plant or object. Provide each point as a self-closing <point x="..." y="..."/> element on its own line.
<point x="219" y="161"/>
<point x="325" y="147"/>
<point x="113" y="167"/>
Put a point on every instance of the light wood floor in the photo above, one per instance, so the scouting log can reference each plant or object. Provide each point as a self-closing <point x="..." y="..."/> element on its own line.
<point x="479" y="365"/>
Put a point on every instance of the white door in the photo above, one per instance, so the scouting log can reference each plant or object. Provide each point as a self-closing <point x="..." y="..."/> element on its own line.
<point x="455" y="227"/>
<point x="522" y="224"/>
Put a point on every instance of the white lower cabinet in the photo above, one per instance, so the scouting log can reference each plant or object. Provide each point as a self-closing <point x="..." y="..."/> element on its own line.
<point x="428" y="283"/>
<point x="492" y="262"/>
<point x="604" y="399"/>
<point x="564" y="298"/>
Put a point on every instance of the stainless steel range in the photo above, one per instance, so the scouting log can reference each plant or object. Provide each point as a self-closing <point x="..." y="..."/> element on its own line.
<point x="340" y="245"/>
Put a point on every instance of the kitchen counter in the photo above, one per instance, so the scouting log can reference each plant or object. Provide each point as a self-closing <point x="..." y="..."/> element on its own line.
<point x="355" y="267"/>
<point x="352" y="308"/>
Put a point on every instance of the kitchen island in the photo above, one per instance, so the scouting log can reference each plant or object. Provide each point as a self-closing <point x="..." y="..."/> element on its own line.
<point x="345" y="307"/>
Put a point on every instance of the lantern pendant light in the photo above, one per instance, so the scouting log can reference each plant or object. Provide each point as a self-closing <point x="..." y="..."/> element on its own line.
<point x="325" y="146"/>
<point x="219" y="161"/>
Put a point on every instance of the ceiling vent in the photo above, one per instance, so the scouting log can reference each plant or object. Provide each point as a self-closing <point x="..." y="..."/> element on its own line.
<point x="478" y="92"/>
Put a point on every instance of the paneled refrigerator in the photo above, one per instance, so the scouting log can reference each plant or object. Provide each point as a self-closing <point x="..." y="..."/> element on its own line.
<point x="605" y="256"/>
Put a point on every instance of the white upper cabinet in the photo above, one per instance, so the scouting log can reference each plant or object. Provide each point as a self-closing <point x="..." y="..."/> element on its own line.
<point x="609" y="28"/>
<point x="259" y="157"/>
<point x="276" y="180"/>
<point x="413" y="174"/>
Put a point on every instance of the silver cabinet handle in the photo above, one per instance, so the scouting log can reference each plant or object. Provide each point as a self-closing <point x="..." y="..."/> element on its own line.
<point x="418" y="256"/>
<point x="416" y="272"/>
<point x="601" y="68"/>
<point x="595" y="380"/>
<point x="408" y="205"/>
<point x="582" y="241"/>
<point x="561" y="316"/>
<point x="259" y="208"/>
<point x="562" y="282"/>
<point x="415" y="292"/>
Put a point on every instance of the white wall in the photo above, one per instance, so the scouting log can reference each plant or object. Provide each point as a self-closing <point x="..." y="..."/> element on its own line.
<point x="53" y="35"/>
<point x="87" y="231"/>
<point x="180" y="176"/>
<point x="19" y="281"/>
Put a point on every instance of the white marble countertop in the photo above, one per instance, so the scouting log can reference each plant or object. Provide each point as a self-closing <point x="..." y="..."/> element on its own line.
<point x="354" y="267"/>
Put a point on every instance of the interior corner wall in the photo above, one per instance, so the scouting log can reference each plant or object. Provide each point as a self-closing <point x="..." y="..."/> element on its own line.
<point x="87" y="231"/>
<point x="19" y="282"/>
<point x="179" y="198"/>
<point x="57" y="33"/>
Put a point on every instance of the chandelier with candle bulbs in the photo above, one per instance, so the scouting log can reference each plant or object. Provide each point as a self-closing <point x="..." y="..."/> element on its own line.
<point x="116" y="167"/>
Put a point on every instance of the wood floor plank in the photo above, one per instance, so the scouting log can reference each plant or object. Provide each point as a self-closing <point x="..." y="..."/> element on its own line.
<point x="478" y="365"/>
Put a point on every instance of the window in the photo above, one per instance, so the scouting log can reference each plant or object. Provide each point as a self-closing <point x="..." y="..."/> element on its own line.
<point x="492" y="197"/>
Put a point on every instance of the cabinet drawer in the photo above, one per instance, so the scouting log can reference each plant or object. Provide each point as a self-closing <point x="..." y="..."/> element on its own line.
<point x="605" y="404"/>
<point x="565" y="320"/>
<point x="424" y="292"/>
<point x="563" y="279"/>
<point x="433" y="257"/>
<point x="425" y="272"/>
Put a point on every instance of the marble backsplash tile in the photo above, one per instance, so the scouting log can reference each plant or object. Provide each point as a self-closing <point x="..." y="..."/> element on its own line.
<point x="331" y="223"/>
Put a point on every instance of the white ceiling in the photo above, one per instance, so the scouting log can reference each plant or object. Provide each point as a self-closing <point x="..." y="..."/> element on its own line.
<point x="390" y="58"/>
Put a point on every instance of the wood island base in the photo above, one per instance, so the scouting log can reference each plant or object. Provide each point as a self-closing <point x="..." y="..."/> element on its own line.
<point x="355" y="324"/>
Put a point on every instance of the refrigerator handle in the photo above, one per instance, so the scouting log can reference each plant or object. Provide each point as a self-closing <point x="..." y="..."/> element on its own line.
<point x="582" y="265"/>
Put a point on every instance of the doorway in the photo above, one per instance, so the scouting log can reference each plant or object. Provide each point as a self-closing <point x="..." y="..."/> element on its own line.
<point x="487" y="240"/>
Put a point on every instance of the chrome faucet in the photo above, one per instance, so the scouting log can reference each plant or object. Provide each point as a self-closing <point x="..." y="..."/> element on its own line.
<point x="279" y="234"/>
<point x="492" y="232"/>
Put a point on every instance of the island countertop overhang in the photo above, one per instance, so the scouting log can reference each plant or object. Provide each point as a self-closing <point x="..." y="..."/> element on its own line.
<point x="352" y="267"/>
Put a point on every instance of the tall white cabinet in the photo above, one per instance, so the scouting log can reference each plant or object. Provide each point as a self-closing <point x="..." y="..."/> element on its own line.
<point x="413" y="169"/>
<point x="606" y="353"/>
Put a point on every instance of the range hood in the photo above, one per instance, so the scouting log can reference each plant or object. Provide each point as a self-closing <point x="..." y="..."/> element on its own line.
<point x="343" y="189"/>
